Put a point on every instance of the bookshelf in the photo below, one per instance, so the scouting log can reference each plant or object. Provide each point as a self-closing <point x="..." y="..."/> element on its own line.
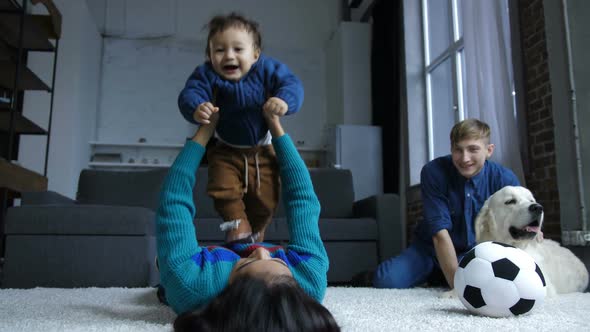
<point x="21" y="33"/>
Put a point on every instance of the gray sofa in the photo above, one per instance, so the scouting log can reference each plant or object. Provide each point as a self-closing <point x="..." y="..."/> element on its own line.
<point x="105" y="238"/>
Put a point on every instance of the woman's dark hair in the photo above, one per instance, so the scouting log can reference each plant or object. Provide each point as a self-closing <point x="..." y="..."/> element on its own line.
<point x="233" y="20"/>
<point x="254" y="304"/>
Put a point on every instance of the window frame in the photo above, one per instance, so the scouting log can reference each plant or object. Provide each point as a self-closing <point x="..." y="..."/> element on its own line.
<point x="453" y="53"/>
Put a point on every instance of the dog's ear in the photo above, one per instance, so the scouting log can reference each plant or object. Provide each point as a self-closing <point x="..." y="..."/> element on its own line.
<point x="484" y="223"/>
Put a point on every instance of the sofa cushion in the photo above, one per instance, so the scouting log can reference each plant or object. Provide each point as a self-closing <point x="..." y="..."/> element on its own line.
<point x="334" y="190"/>
<point x="333" y="187"/>
<point x="331" y="229"/>
<point x="207" y="231"/>
<point x="80" y="220"/>
<point x="362" y="229"/>
<point x="65" y="261"/>
<point x="129" y="188"/>
<point x="203" y="203"/>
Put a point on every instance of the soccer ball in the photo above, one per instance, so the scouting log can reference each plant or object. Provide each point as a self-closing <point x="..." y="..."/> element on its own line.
<point x="498" y="280"/>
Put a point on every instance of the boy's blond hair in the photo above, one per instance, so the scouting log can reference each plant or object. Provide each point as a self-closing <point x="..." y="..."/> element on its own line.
<point x="470" y="129"/>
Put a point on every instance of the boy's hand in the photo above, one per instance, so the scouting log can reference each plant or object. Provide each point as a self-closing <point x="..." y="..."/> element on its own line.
<point x="203" y="112"/>
<point x="276" y="106"/>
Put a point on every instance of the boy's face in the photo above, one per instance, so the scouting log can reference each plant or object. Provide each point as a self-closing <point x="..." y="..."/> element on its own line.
<point x="232" y="53"/>
<point x="469" y="156"/>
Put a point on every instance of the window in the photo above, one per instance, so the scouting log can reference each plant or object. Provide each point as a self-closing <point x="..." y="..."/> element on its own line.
<point x="444" y="69"/>
<point x="451" y="76"/>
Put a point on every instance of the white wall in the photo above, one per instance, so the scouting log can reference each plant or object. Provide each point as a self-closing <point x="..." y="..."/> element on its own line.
<point x="154" y="45"/>
<point x="75" y="99"/>
<point x="124" y="86"/>
<point x="348" y="85"/>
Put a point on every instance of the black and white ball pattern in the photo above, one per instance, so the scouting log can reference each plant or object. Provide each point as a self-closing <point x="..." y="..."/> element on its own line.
<point x="498" y="280"/>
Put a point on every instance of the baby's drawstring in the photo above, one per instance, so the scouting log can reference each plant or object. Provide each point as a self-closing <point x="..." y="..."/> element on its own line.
<point x="257" y="173"/>
<point x="257" y="162"/>
<point x="245" y="173"/>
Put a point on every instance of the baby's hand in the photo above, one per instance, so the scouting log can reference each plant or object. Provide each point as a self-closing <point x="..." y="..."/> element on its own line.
<point x="276" y="106"/>
<point x="204" y="112"/>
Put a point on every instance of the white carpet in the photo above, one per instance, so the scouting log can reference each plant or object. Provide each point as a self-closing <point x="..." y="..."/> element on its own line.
<point x="356" y="309"/>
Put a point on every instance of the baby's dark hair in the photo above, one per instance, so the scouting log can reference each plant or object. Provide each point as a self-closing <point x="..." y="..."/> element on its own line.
<point x="220" y="23"/>
<point x="255" y="304"/>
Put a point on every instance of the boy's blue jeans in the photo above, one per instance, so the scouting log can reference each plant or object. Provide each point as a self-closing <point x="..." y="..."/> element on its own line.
<point x="414" y="266"/>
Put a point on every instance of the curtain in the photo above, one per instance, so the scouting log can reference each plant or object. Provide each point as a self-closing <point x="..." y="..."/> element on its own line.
<point x="489" y="78"/>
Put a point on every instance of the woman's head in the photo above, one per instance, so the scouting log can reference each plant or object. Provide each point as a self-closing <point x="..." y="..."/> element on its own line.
<point x="255" y="304"/>
<point x="260" y="264"/>
<point x="234" y="44"/>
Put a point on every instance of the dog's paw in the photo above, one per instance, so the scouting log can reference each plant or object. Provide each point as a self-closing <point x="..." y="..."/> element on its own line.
<point x="448" y="294"/>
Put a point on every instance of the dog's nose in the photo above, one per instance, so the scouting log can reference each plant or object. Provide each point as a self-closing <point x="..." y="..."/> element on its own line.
<point x="536" y="208"/>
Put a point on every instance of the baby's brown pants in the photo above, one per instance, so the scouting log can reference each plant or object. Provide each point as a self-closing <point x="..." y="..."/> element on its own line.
<point x="244" y="184"/>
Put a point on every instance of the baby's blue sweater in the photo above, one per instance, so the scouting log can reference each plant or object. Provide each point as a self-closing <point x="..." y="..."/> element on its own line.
<point x="240" y="103"/>
<point x="194" y="275"/>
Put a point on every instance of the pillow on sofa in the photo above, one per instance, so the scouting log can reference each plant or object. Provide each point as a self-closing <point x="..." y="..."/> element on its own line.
<point x="335" y="192"/>
<point x="127" y="188"/>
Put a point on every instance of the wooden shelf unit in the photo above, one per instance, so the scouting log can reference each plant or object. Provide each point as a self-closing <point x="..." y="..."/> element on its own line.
<point x="18" y="178"/>
<point x="27" y="80"/>
<point x="22" y="125"/>
<point x="20" y="33"/>
<point x="36" y="32"/>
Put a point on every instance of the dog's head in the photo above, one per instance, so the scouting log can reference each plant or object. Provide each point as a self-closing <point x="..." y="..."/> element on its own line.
<point x="510" y="215"/>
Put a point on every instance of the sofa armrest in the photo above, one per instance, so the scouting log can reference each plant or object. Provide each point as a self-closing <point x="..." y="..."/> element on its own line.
<point x="45" y="198"/>
<point x="385" y="208"/>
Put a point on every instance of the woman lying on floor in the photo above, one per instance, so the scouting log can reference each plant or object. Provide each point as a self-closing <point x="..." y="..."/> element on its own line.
<point x="254" y="287"/>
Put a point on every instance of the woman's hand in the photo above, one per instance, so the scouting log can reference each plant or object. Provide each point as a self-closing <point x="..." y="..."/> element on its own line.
<point x="206" y="131"/>
<point x="273" y="122"/>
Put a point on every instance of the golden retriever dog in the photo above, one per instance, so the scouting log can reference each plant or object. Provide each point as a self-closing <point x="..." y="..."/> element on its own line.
<point x="513" y="216"/>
